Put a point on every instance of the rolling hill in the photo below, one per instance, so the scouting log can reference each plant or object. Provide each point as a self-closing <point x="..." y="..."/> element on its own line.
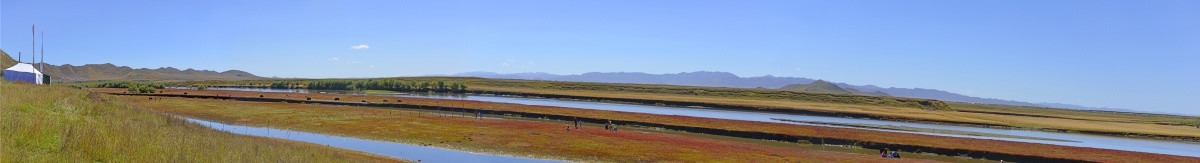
<point x="823" y="86"/>
<point x="6" y="61"/>
<point x="108" y="71"/>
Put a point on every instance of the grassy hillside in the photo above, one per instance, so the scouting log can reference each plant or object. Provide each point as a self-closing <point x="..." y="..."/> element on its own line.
<point x="92" y="72"/>
<point x="817" y="86"/>
<point x="6" y="61"/>
<point x="61" y="124"/>
<point x="821" y="86"/>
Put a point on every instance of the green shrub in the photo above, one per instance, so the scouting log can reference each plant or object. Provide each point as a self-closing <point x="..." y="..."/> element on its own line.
<point x="387" y="84"/>
<point x="1192" y="122"/>
<point x="142" y="88"/>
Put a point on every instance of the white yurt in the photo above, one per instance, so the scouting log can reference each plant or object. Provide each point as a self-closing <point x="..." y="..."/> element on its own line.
<point x="23" y="72"/>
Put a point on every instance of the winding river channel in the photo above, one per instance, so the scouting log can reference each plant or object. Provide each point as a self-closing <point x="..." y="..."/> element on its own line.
<point x="390" y="149"/>
<point x="1191" y="149"/>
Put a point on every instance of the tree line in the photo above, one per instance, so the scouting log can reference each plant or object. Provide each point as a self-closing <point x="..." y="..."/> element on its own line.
<point x="133" y="87"/>
<point x="378" y="84"/>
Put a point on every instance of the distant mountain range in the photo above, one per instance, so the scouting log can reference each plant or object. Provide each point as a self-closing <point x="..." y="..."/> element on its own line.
<point x="725" y="79"/>
<point x="107" y="71"/>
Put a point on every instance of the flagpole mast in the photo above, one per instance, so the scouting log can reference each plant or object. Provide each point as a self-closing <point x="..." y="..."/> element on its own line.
<point x="33" y="42"/>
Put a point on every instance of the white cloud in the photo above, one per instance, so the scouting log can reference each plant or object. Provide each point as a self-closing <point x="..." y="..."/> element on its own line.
<point x="372" y="66"/>
<point x="508" y="62"/>
<point x="362" y="46"/>
<point x="334" y="59"/>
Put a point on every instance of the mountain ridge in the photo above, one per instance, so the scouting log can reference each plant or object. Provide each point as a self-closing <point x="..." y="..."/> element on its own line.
<point x="109" y="71"/>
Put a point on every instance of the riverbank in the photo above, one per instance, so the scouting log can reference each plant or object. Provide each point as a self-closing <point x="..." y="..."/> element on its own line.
<point x="758" y="130"/>
<point x="58" y="124"/>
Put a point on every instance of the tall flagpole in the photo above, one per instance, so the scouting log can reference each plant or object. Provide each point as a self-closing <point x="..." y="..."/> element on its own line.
<point x="33" y="43"/>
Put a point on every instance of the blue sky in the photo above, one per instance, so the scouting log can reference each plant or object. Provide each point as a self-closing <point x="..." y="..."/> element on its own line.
<point x="1142" y="55"/>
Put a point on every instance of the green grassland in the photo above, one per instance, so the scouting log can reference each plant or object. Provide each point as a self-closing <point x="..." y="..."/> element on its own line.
<point x="62" y="124"/>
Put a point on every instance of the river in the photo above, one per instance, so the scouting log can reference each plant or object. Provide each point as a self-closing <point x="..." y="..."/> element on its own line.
<point x="390" y="149"/>
<point x="1191" y="149"/>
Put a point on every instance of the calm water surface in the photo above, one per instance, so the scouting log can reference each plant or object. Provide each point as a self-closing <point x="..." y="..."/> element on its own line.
<point x="390" y="149"/>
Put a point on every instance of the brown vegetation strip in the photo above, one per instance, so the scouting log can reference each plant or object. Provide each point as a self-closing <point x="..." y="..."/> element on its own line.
<point x="992" y="149"/>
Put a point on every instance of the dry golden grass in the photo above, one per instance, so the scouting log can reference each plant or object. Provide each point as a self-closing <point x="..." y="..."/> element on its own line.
<point x="1076" y="114"/>
<point x="59" y="124"/>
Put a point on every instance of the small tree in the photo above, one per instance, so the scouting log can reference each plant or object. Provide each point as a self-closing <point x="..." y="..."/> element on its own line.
<point x="441" y="85"/>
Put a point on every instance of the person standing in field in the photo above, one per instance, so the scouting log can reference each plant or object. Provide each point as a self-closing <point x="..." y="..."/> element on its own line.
<point x="614" y="126"/>
<point x="576" y="122"/>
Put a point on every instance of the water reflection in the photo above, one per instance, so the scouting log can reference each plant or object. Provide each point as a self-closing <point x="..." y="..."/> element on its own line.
<point x="390" y="149"/>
